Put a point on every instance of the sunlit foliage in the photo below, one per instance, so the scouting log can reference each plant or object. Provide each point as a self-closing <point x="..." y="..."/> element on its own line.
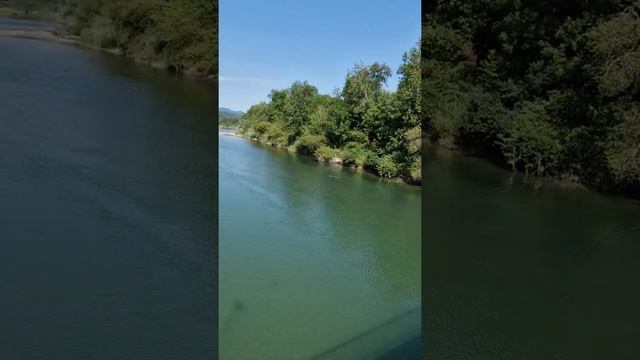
<point x="363" y="125"/>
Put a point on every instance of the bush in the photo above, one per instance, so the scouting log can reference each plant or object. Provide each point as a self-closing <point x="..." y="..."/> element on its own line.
<point x="623" y="148"/>
<point x="276" y="134"/>
<point x="415" y="171"/>
<point x="355" y="155"/>
<point x="307" y="144"/>
<point x="101" y="34"/>
<point x="481" y="123"/>
<point x="529" y="141"/>
<point x="386" y="166"/>
<point x="249" y="132"/>
<point x="325" y="153"/>
<point x="261" y="128"/>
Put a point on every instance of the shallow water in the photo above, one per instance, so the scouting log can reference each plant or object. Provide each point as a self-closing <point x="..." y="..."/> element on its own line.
<point x="515" y="270"/>
<point x="107" y="208"/>
<point x="316" y="262"/>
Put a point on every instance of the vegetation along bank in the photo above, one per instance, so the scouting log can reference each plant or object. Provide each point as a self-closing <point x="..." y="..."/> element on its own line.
<point x="363" y="125"/>
<point x="179" y="35"/>
<point x="543" y="87"/>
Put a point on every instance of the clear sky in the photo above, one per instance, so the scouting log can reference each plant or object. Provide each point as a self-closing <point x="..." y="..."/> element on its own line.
<point x="269" y="44"/>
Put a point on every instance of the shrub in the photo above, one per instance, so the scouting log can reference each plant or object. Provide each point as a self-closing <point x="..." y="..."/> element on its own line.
<point x="101" y="34"/>
<point x="623" y="147"/>
<point x="386" y="166"/>
<point x="277" y="134"/>
<point x="481" y="123"/>
<point x="415" y="171"/>
<point x="261" y="128"/>
<point x="529" y="141"/>
<point x="355" y="155"/>
<point x="325" y="153"/>
<point x="307" y="144"/>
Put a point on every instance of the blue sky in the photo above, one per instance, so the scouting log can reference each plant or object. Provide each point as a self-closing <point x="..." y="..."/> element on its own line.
<point x="268" y="45"/>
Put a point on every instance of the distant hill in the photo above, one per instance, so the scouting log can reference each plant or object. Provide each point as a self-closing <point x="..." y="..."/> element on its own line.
<point x="228" y="112"/>
<point x="228" y="117"/>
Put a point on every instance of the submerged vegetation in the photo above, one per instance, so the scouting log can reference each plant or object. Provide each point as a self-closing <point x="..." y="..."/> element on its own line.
<point x="546" y="88"/>
<point x="363" y="125"/>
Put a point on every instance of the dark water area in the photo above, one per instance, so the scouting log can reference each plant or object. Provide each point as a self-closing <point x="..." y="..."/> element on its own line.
<point x="108" y="208"/>
<point x="514" y="270"/>
<point x="316" y="262"/>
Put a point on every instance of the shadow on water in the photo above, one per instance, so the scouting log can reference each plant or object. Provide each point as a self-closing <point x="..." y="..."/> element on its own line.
<point x="194" y="92"/>
<point x="108" y="181"/>
<point x="516" y="270"/>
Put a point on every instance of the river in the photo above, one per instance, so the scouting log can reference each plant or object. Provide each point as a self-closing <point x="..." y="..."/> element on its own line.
<point x="108" y="216"/>
<point x="522" y="269"/>
<point x="316" y="262"/>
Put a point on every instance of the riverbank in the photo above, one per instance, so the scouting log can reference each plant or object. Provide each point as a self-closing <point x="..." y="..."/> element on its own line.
<point x="38" y="35"/>
<point x="56" y="36"/>
<point x="336" y="161"/>
<point x="448" y="150"/>
<point x="559" y="108"/>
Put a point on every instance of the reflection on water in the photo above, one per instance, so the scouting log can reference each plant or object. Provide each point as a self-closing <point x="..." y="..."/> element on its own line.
<point x="519" y="271"/>
<point x="315" y="262"/>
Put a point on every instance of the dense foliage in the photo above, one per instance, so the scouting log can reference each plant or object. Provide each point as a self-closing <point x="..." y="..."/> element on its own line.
<point x="546" y="87"/>
<point x="228" y="121"/>
<point x="29" y="9"/>
<point x="363" y="125"/>
<point x="180" y="34"/>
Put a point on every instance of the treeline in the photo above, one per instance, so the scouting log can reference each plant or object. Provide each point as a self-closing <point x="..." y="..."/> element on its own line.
<point x="228" y="121"/>
<point x="363" y="126"/>
<point x="180" y="35"/>
<point x="545" y="87"/>
<point x="28" y="9"/>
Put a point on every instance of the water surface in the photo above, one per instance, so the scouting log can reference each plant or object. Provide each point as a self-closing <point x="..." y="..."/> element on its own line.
<point x="316" y="262"/>
<point x="519" y="271"/>
<point x="107" y="208"/>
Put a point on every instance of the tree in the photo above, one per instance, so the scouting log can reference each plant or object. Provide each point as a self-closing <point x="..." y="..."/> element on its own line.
<point x="363" y="125"/>
<point x="541" y="86"/>
<point x="363" y="85"/>
<point x="301" y="99"/>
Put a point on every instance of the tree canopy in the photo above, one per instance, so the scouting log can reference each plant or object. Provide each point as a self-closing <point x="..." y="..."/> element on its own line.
<point x="181" y="34"/>
<point x="363" y="125"/>
<point x="545" y="87"/>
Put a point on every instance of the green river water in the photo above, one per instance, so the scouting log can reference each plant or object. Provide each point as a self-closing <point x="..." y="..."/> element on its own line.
<point x="316" y="262"/>
<point x="519" y="269"/>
